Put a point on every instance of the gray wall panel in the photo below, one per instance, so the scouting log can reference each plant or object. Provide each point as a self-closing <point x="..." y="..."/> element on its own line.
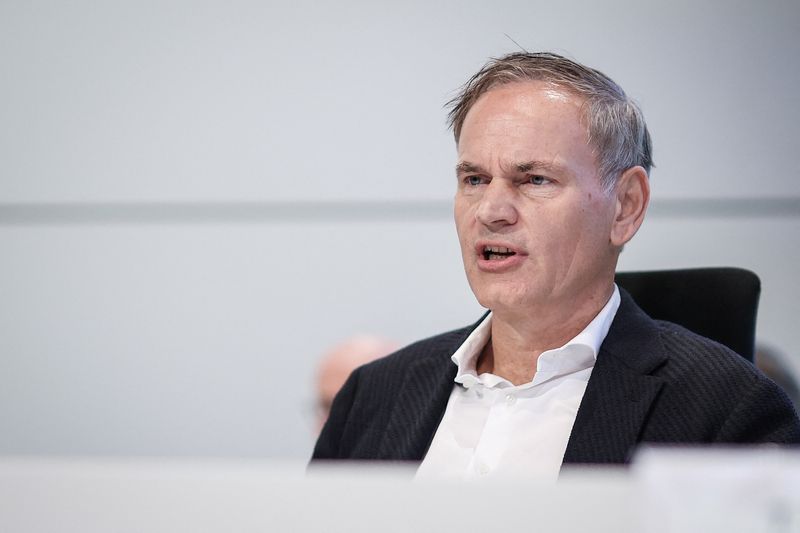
<point x="201" y="340"/>
<point x="246" y="100"/>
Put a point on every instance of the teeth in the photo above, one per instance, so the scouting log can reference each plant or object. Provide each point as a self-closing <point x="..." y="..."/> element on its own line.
<point x="496" y="250"/>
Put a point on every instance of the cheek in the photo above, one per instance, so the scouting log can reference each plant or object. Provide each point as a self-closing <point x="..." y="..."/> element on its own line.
<point x="597" y="209"/>
<point x="593" y="231"/>
<point x="573" y="234"/>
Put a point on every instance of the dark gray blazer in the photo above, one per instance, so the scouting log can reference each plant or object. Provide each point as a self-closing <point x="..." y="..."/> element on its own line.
<point x="653" y="382"/>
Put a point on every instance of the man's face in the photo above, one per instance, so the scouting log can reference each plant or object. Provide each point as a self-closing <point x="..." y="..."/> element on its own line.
<point x="532" y="217"/>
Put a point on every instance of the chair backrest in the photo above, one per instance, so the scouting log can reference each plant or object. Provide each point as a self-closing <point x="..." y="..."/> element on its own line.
<point x="718" y="303"/>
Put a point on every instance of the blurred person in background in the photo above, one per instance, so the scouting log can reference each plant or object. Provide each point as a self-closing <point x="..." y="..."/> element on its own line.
<point x="776" y="365"/>
<point x="337" y="364"/>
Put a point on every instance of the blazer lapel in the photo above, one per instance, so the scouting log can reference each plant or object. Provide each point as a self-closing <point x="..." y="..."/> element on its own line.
<point x="418" y="410"/>
<point x="620" y="391"/>
<point x="422" y="400"/>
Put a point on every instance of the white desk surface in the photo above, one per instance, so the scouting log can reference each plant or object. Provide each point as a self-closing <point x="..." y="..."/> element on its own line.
<point x="662" y="493"/>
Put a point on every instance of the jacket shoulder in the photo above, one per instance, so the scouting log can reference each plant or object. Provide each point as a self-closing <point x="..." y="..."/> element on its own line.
<point x="705" y="381"/>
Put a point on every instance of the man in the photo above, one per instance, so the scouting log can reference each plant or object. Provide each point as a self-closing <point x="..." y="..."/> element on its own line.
<point x="553" y="163"/>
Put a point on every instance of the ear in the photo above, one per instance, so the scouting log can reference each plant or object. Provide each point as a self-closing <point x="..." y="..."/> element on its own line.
<point x="632" y="192"/>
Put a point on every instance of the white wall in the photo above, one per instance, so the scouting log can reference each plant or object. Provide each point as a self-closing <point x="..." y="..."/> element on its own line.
<point x="167" y="277"/>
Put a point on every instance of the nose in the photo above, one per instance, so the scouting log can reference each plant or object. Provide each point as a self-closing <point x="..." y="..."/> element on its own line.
<point x="496" y="208"/>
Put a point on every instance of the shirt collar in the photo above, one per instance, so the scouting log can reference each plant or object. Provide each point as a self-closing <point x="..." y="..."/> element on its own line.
<point x="578" y="353"/>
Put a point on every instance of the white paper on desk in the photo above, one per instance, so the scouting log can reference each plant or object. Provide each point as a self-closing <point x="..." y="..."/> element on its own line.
<point x="748" y="490"/>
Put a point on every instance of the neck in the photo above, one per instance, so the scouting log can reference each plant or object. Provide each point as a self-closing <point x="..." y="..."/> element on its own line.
<point x="518" y="339"/>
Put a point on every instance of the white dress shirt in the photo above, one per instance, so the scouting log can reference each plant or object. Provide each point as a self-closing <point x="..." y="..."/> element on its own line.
<point x="493" y="428"/>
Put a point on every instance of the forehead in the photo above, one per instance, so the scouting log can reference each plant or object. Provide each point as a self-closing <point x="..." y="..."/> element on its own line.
<point x="528" y="120"/>
<point x="533" y="100"/>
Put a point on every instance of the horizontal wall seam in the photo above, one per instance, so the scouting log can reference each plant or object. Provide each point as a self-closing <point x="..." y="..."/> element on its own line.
<point x="336" y="211"/>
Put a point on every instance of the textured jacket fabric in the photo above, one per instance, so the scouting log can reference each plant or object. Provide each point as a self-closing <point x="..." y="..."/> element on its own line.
<point x="653" y="382"/>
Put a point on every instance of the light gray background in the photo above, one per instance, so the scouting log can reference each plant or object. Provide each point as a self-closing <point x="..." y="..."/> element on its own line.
<point x="197" y="198"/>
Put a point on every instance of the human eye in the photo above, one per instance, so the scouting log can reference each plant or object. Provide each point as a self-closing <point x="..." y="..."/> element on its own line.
<point x="473" y="180"/>
<point x="537" y="180"/>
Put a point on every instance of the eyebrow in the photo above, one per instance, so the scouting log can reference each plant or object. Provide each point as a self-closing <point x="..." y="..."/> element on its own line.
<point x="527" y="166"/>
<point x="465" y="167"/>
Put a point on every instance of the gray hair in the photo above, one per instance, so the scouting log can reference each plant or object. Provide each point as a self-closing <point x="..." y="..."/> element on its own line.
<point x="615" y="124"/>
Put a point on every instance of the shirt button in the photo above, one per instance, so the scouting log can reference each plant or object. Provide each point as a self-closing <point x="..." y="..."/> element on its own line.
<point x="511" y="399"/>
<point x="483" y="469"/>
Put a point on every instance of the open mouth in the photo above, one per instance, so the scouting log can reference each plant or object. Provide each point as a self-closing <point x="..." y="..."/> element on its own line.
<point x="496" y="253"/>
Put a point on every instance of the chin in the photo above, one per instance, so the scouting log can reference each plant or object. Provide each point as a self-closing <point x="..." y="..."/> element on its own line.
<point x="502" y="297"/>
